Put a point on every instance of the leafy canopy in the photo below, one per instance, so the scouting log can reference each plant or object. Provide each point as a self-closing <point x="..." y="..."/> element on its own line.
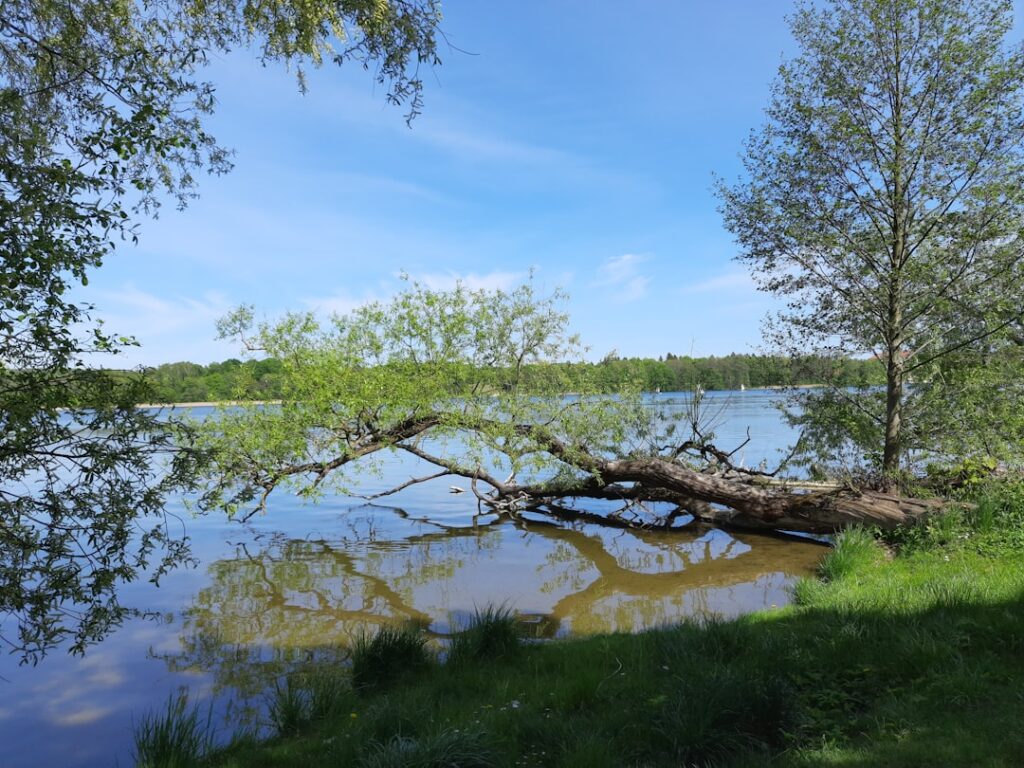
<point x="883" y="200"/>
<point x="472" y="381"/>
<point x="102" y="116"/>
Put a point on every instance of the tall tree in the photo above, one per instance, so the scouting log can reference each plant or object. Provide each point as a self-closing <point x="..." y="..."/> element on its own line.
<point x="102" y="109"/>
<point x="883" y="200"/>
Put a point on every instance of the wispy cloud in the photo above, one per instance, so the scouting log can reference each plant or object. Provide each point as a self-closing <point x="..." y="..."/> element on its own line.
<point x="343" y="302"/>
<point x="622" y="274"/>
<point x="732" y="282"/>
<point x="488" y="281"/>
<point x="476" y="143"/>
<point x="167" y="327"/>
<point x="158" y="315"/>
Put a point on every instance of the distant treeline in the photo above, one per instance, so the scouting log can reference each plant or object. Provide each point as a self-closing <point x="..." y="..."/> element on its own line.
<point x="262" y="379"/>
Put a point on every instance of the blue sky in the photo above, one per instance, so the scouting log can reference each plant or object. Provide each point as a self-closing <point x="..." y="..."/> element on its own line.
<point x="578" y="139"/>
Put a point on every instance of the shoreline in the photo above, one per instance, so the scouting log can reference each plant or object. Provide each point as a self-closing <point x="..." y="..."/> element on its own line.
<point x="207" y="403"/>
<point x="215" y="403"/>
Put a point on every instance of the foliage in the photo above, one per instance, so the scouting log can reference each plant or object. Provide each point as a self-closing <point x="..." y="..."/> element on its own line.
<point x="288" y="707"/>
<point x="855" y="550"/>
<point x="102" y="116"/>
<point x="81" y="506"/>
<point x="330" y="693"/>
<point x="455" y="377"/>
<point x="883" y="202"/>
<point x="990" y="522"/>
<point x="229" y="380"/>
<point x="303" y="697"/>
<point x="970" y="410"/>
<point x="483" y="385"/>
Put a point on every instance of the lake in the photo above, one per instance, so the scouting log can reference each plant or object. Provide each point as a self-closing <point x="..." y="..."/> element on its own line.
<point x="298" y="584"/>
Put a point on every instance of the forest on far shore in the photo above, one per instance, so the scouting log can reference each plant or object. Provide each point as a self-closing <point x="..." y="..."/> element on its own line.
<point x="185" y="382"/>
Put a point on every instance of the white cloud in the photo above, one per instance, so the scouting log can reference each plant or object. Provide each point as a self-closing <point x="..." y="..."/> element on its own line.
<point x="342" y="303"/>
<point x="490" y="281"/>
<point x="474" y="142"/>
<point x="153" y="314"/>
<point x="732" y="282"/>
<point x="167" y="328"/>
<point x="463" y="132"/>
<point x="621" y="273"/>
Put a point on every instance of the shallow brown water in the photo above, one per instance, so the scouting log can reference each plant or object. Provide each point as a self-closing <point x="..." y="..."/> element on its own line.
<point x="278" y="602"/>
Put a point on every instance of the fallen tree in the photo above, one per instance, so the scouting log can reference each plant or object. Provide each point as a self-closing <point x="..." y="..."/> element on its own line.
<point x="471" y="383"/>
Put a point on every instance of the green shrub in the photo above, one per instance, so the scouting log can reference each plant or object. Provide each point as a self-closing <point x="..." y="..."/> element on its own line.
<point x="304" y="697"/>
<point x="330" y="693"/>
<point x="998" y="513"/>
<point x="990" y="521"/>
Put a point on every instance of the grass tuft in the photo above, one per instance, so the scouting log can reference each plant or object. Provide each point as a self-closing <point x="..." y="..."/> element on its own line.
<point x="392" y="653"/>
<point x="493" y="633"/>
<point x="855" y="550"/>
<point x="178" y="738"/>
<point x="330" y="693"/>
<point x="307" y="697"/>
<point x="446" y="749"/>
<point x="288" y="706"/>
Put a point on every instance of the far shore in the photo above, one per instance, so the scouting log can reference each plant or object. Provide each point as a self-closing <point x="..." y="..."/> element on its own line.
<point x="214" y="403"/>
<point x="208" y="403"/>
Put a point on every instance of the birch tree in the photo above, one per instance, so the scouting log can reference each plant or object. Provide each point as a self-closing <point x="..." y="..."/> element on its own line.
<point x="883" y="201"/>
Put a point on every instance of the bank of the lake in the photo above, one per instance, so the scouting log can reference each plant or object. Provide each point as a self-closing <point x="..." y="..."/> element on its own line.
<point x="905" y="652"/>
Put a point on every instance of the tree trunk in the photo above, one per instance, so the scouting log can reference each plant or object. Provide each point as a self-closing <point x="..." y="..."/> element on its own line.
<point x="894" y="320"/>
<point x="731" y="501"/>
<point x="893" y="417"/>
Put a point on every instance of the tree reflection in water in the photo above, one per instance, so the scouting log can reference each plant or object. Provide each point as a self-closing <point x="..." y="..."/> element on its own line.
<point x="281" y="603"/>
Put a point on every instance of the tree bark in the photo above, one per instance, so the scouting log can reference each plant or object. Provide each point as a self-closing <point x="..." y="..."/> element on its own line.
<point x="720" y="495"/>
<point x="893" y="414"/>
<point x="730" y="502"/>
<point x="894" y="320"/>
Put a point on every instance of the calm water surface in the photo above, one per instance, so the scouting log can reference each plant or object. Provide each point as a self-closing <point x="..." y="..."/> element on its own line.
<point x="301" y="582"/>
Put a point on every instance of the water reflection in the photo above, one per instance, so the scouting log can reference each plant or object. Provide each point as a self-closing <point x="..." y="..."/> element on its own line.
<point x="279" y="603"/>
<point x="302" y="582"/>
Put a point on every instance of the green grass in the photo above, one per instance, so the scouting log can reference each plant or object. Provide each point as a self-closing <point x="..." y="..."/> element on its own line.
<point x="392" y="653"/>
<point x="446" y="749"/>
<point x="179" y="737"/>
<point x="493" y="633"/>
<point x="855" y="551"/>
<point x="905" y="652"/>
